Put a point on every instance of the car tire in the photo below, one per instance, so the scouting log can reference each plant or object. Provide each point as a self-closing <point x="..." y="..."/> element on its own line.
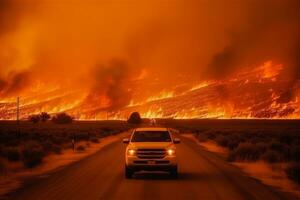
<point x="174" y="172"/>
<point x="128" y="172"/>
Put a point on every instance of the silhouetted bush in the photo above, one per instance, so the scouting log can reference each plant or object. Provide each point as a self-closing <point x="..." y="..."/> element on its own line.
<point x="232" y="144"/>
<point x="94" y="140"/>
<point x="135" y="118"/>
<point x="211" y="135"/>
<point x="62" y="118"/>
<point x="34" y="118"/>
<point x="202" y="137"/>
<point x="33" y="154"/>
<point x="295" y="152"/>
<point x="276" y="145"/>
<point x="11" y="153"/>
<point x="271" y="156"/>
<point x="56" y="149"/>
<point x="222" y="140"/>
<point x="80" y="148"/>
<point x="2" y="167"/>
<point x="269" y="146"/>
<point x="293" y="172"/>
<point x="44" y="116"/>
<point x="245" y="151"/>
<point x="82" y="136"/>
<point x="49" y="146"/>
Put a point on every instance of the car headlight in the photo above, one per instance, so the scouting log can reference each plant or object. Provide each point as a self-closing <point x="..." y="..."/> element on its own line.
<point x="131" y="152"/>
<point x="171" y="152"/>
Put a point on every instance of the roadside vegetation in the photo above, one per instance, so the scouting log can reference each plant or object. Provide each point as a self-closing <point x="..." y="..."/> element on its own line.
<point x="29" y="143"/>
<point x="60" y="118"/>
<point x="250" y="140"/>
<point x="135" y="118"/>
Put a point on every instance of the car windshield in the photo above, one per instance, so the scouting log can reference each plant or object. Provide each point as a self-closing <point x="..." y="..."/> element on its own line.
<point x="151" y="136"/>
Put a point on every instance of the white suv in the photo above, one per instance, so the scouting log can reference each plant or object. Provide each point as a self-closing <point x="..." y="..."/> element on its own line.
<point x="151" y="149"/>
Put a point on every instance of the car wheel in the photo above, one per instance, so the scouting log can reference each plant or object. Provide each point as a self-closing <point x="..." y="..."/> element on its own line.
<point x="174" y="172"/>
<point x="128" y="172"/>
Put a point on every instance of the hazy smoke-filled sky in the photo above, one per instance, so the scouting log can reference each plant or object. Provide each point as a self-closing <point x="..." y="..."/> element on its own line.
<point x="104" y="46"/>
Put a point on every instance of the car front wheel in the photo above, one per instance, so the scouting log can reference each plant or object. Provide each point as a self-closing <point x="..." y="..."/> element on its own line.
<point x="174" y="172"/>
<point x="128" y="172"/>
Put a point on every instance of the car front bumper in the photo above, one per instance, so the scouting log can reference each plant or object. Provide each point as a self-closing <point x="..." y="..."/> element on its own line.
<point x="162" y="164"/>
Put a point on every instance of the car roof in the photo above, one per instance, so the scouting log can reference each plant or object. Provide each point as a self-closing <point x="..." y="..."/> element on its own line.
<point x="151" y="129"/>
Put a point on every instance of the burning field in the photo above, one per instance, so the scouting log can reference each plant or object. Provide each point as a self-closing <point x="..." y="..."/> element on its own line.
<point x="171" y="59"/>
<point x="259" y="93"/>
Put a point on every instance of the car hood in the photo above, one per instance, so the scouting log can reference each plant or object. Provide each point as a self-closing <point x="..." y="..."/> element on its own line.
<point x="154" y="145"/>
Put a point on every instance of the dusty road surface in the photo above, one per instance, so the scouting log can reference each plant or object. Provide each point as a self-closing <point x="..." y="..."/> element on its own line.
<point x="203" y="175"/>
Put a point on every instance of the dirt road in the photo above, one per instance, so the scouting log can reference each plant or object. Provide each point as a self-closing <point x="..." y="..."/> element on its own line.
<point x="202" y="175"/>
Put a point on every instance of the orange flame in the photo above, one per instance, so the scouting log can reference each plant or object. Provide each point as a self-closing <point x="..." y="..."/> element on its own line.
<point x="251" y="94"/>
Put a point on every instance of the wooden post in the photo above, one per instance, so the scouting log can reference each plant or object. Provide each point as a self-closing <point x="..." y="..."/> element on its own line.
<point x="18" y="117"/>
<point x="73" y="142"/>
<point x="18" y="109"/>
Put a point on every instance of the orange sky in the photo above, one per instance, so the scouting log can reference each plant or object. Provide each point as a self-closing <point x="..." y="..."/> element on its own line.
<point x="108" y="45"/>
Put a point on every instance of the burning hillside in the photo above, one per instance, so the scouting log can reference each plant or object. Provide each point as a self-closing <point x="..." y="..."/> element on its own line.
<point x="176" y="59"/>
<point x="257" y="93"/>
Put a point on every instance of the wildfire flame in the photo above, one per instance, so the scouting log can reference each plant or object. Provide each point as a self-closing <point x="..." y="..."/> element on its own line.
<point x="254" y="94"/>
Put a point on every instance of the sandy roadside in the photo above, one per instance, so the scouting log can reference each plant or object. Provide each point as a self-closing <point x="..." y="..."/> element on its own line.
<point x="269" y="174"/>
<point x="12" y="180"/>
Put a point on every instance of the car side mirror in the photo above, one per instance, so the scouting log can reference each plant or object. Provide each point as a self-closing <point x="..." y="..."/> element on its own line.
<point x="176" y="141"/>
<point x="126" y="140"/>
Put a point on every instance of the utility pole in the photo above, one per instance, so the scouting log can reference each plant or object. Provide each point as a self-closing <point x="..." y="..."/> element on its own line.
<point x="18" y="110"/>
<point x="18" y="117"/>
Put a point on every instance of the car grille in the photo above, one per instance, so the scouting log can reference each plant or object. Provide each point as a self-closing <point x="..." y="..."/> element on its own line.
<point x="155" y="162"/>
<point x="151" y="153"/>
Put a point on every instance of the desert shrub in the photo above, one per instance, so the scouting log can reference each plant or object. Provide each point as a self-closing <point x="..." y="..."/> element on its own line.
<point x="44" y="116"/>
<point x="202" y="137"/>
<point x="68" y="145"/>
<point x="82" y="136"/>
<point x="135" y="118"/>
<point x="222" y="140"/>
<point x="80" y="148"/>
<point x="56" y="149"/>
<point x="276" y="145"/>
<point x="48" y="146"/>
<point x="33" y="154"/>
<point x="34" y="118"/>
<point x="262" y="146"/>
<point x="293" y="172"/>
<point x="272" y="156"/>
<point x="210" y="135"/>
<point x="2" y="167"/>
<point x="232" y="144"/>
<point x="285" y="138"/>
<point x="58" y="139"/>
<point x="233" y="140"/>
<point x="94" y="140"/>
<point x="62" y="118"/>
<point x="106" y="129"/>
<point x="11" y="153"/>
<point x="245" y="151"/>
<point x="295" y="152"/>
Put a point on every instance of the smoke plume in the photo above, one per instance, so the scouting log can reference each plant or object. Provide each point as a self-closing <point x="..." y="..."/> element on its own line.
<point x="62" y="42"/>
